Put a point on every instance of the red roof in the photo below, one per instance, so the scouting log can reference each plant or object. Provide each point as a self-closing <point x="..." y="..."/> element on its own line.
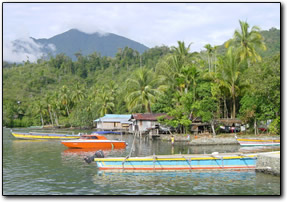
<point x="149" y="116"/>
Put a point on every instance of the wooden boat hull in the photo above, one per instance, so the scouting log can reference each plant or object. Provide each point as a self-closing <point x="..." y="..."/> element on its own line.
<point x="95" y="144"/>
<point x="176" y="163"/>
<point x="43" y="136"/>
<point x="258" y="142"/>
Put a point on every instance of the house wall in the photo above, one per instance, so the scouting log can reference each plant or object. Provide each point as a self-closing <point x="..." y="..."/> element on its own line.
<point x="109" y="125"/>
<point x="143" y="125"/>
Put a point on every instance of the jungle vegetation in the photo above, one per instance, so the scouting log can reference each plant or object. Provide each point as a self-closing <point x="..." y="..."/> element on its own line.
<point x="235" y="80"/>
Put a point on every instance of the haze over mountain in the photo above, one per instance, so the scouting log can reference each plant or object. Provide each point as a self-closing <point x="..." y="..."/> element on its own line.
<point x="75" y="41"/>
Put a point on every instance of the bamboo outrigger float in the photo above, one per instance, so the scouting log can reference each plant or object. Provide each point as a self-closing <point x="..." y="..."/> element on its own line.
<point x="258" y="142"/>
<point x="153" y="163"/>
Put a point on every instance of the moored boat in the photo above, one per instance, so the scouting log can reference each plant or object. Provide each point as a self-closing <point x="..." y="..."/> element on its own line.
<point x="214" y="161"/>
<point x="94" y="141"/>
<point x="37" y="135"/>
<point x="258" y="142"/>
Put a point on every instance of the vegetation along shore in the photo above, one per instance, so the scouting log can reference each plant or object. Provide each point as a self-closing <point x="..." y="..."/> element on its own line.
<point x="239" y="79"/>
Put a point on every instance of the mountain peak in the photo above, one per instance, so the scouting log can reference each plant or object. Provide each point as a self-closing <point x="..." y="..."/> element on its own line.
<point x="77" y="31"/>
<point x="74" y="40"/>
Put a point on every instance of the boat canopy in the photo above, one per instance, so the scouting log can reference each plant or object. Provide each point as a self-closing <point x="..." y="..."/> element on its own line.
<point x="93" y="137"/>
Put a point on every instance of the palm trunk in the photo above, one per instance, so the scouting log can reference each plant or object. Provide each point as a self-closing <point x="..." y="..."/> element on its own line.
<point x="234" y="109"/>
<point x="233" y="101"/>
<point x="51" y="118"/>
<point x="193" y="91"/>
<point x="67" y="110"/>
<point x="208" y="64"/>
<point x="149" y="107"/>
<point x="56" y="118"/>
<point x="218" y="109"/>
<point x="212" y="127"/>
<point x="255" y="127"/>
<point x="42" y="119"/>
<point x="225" y="109"/>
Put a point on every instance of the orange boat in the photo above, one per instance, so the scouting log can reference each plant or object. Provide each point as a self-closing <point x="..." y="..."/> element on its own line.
<point x="95" y="142"/>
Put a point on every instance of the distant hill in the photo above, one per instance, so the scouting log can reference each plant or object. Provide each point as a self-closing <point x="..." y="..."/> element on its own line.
<point x="272" y="41"/>
<point x="74" y="41"/>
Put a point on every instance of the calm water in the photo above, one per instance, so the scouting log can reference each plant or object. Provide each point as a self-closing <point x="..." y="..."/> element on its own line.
<point x="46" y="167"/>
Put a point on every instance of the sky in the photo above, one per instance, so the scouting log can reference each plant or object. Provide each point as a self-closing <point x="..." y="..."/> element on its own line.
<point x="152" y="24"/>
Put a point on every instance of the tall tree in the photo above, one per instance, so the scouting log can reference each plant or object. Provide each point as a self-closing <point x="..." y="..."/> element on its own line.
<point x="78" y="93"/>
<point x="209" y="50"/>
<point x="181" y="51"/>
<point x="247" y="42"/>
<point x="230" y="77"/>
<point x="143" y="88"/>
<point x="105" y="101"/>
<point x="65" y="98"/>
<point x="41" y="110"/>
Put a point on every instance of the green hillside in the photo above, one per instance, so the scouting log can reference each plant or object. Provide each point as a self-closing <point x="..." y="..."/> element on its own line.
<point x="63" y="92"/>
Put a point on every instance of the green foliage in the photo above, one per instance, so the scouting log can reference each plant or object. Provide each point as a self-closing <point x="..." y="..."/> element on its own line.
<point x="205" y="108"/>
<point x="142" y="88"/>
<point x="262" y="101"/>
<point x="63" y="92"/>
<point x="275" y="126"/>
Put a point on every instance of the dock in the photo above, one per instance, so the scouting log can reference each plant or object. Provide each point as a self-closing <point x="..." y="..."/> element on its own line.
<point x="268" y="163"/>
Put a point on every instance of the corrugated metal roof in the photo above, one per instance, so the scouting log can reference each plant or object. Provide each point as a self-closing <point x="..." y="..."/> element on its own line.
<point x="149" y="116"/>
<point x="114" y="118"/>
<point x="118" y="116"/>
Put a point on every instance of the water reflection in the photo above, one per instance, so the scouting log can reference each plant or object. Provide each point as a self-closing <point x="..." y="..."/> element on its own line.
<point x="46" y="167"/>
<point x="90" y="152"/>
<point x="185" y="183"/>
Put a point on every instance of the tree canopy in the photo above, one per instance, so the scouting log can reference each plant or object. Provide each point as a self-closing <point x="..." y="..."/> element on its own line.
<point x="239" y="82"/>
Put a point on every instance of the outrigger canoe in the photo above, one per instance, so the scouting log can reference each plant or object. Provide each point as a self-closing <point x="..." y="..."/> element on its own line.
<point x="36" y="135"/>
<point x="177" y="163"/>
<point x="258" y="142"/>
<point x="95" y="142"/>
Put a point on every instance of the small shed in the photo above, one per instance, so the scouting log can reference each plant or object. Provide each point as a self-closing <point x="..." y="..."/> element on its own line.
<point x="143" y="122"/>
<point x="114" y="122"/>
<point x="197" y="126"/>
<point x="230" y="125"/>
<point x="229" y="122"/>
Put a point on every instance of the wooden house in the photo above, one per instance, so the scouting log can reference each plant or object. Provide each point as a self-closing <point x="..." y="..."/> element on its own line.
<point x="143" y="122"/>
<point x="114" y="122"/>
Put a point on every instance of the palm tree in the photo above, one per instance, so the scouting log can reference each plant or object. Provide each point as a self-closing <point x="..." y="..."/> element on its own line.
<point x="181" y="50"/>
<point x="40" y="109"/>
<point x="55" y="107"/>
<point x="214" y="57"/>
<point x="209" y="50"/>
<point x="105" y="101"/>
<point x="181" y="54"/>
<point x="247" y="42"/>
<point x="112" y="87"/>
<point x="78" y="93"/>
<point x="191" y="74"/>
<point x="143" y="89"/>
<point x="65" y="98"/>
<point x="229" y="77"/>
<point x="49" y="107"/>
<point x="171" y="67"/>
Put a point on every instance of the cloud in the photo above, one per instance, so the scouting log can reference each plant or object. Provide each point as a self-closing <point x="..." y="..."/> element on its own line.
<point x="152" y="24"/>
<point x="25" y="49"/>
